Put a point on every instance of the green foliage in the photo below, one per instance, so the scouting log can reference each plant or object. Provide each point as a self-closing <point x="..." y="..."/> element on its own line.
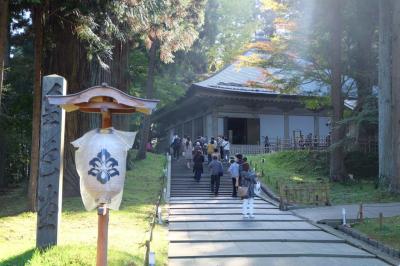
<point x="235" y="23"/>
<point x="362" y="165"/>
<point x="16" y="109"/>
<point x="389" y="234"/>
<point x="75" y="255"/>
<point x="317" y="103"/>
<point x="303" y="162"/>
<point x="310" y="166"/>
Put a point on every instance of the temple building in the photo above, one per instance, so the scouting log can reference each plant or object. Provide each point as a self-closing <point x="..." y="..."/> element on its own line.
<point x="236" y="103"/>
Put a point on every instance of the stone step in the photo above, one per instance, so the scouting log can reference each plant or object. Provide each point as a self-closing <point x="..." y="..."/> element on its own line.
<point x="200" y="194"/>
<point x="275" y="261"/>
<point x="224" y="211"/>
<point x="229" y="218"/>
<point x="248" y="224"/>
<point x="198" y="198"/>
<point x="213" y="201"/>
<point x="237" y="205"/>
<point x="248" y="249"/>
<point x="265" y="236"/>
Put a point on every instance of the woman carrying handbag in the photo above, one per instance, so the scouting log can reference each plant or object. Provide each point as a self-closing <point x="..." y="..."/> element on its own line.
<point x="246" y="192"/>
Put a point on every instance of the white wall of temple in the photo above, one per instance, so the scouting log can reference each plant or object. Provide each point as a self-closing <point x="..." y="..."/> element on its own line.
<point x="272" y="126"/>
<point x="324" y="127"/>
<point x="303" y="123"/>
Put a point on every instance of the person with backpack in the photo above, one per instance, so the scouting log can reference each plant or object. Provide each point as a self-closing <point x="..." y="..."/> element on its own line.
<point x="198" y="161"/>
<point x="216" y="172"/>
<point x="176" y="146"/>
<point x="234" y="172"/>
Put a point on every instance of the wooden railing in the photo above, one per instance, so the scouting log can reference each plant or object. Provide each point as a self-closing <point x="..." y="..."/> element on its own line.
<point x="316" y="193"/>
<point x="367" y="146"/>
<point x="281" y="145"/>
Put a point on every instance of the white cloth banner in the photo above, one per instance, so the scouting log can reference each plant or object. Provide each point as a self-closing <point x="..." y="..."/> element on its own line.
<point x="101" y="164"/>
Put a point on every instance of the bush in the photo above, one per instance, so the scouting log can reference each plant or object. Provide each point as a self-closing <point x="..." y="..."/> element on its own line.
<point x="304" y="161"/>
<point x="362" y="165"/>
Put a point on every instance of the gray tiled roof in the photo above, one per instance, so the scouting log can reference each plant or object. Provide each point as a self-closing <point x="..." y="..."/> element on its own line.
<point x="238" y="78"/>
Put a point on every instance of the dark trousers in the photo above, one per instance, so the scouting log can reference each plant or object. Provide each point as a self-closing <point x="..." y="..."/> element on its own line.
<point x="221" y="152"/>
<point x="234" y="188"/>
<point x="176" y="153"/>
<point x="197" y="174"/>
<point x="215" y="179"/>
<point x="209" y="158"/>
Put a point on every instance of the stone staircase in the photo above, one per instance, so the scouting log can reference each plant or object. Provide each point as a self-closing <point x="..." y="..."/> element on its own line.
<point x="209" y="230"/>
<point x="184" y="185"/>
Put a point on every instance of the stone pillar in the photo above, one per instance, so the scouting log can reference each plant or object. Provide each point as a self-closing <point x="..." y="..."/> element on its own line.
<point x="286" y="126"/>
<point x="214" y="124"/>
<point x="193" y="133"/>
<point x="316" y="126"/>
<point x="50" y="163"/>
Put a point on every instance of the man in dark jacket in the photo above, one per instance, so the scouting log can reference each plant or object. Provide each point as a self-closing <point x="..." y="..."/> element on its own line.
<point x="198" y="161"/>
<point x="216" y="172"/>
<point x="176" y="146"/>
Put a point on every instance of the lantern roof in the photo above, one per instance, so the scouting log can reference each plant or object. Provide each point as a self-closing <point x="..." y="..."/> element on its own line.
<point x="100" y="98"/>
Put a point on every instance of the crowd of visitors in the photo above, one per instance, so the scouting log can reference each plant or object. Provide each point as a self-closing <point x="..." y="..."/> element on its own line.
<point x="215" y="152"/>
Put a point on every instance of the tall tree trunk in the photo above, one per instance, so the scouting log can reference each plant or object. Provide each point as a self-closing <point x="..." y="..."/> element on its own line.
<point x="4" y="35"/>
<point x="144" y="137"/>
<point x="4" y="10"/>
<point x="68" y="57"/>
<point x="38" y="25"/>
<point x="337" y="168"/>
<point x="386" y="160"/>
<point x="365" y="60"/>
<point x="395" y="178"/>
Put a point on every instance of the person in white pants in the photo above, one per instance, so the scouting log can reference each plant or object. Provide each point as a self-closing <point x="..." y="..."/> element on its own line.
<point x="248" y="208"/>
<point x="249" y="179"/>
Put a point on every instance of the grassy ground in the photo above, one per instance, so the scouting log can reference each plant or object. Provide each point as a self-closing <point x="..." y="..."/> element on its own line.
<point x="389" y="234"/>
<point x="128" y="227"/>
<point x="298" y="166"/>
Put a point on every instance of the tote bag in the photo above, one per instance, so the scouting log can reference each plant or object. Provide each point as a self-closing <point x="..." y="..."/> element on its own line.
<point x="242" y="191"/>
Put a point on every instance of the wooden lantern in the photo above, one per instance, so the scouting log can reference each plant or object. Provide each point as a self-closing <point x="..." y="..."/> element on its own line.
<point x="105" y="100"/>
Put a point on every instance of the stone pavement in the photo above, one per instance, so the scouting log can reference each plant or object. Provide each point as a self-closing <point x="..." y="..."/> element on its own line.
<point x="207" y="230"/>
<point x="335" y="212"/>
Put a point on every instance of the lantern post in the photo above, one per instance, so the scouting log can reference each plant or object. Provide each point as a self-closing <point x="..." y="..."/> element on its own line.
<point x="105" y="100"/>
<point x="102" y="211"/>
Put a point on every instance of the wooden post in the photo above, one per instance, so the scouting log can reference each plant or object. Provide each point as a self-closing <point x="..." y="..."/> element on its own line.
<point x="361" y="213"/>
<point x="102" y="210"/>
<point x="380" y="221"/>
<point x="102" y="235"/>
<point x="50" y="164"/>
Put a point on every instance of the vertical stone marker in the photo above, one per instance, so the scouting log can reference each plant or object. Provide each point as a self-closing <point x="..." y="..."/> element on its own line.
<point x="50" y="163"/>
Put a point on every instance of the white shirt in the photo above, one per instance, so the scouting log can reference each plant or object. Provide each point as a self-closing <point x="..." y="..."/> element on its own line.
<point x="234" y="169"/>
<point x="101" y="164"/>
<point x="226" y="145"/>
